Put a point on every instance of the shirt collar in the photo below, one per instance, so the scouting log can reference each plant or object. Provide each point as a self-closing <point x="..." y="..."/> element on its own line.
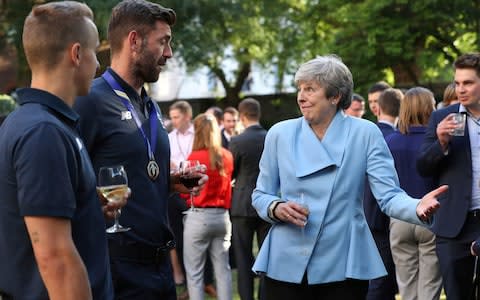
<point x="189" y="131"/>
<point x="387" y="123"/>
<point x="32" y="95"/>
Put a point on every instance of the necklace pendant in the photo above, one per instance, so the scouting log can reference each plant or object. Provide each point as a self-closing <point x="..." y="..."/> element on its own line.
<point x="153" y="169"/>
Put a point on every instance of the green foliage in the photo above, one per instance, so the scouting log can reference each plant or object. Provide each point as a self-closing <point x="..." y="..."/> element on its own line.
<point x="416" y="41"/>
<point x="7" y="104"/>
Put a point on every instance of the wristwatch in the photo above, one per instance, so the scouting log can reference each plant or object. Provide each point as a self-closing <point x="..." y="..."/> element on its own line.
<point x="271" y="210"/>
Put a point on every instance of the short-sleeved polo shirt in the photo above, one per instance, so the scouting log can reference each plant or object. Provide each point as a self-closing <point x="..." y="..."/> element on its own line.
<point x="112" y="137"/>
<point x="45" y="171"/>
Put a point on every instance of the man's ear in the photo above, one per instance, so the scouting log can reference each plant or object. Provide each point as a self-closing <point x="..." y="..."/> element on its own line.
<point x="133" y="40"/>
<point x="75" y="54"/>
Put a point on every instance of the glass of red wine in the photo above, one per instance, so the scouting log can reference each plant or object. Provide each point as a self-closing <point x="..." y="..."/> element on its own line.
<point x="190" y="174"/>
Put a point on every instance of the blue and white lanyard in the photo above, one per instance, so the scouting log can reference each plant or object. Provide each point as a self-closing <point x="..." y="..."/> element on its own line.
<point x="152" y="143"/>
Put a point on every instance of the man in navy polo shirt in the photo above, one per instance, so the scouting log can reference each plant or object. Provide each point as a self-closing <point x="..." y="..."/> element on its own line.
<point x="121" y="124"/>
<point x="52" y="238"/>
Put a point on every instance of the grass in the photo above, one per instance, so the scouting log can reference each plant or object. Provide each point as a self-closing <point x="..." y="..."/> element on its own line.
<point x="236" y="296"/>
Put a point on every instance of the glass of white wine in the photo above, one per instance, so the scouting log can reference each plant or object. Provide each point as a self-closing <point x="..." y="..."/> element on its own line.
<point x="113" y="185"/>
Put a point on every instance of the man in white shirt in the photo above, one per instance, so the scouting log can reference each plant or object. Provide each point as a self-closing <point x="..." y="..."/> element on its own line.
<point x="181" y="137"/>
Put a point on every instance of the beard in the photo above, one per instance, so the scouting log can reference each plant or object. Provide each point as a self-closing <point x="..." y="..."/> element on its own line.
<point x="147" y="67"/>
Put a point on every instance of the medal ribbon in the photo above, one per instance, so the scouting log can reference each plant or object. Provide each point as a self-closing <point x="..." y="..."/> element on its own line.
<point x="152" y="143"/>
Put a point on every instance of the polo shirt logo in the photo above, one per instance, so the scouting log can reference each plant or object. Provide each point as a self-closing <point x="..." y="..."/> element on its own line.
<point x="126" y="115"/>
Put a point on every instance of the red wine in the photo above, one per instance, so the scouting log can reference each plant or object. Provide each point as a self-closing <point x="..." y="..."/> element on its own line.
<point x="190" y="181"/>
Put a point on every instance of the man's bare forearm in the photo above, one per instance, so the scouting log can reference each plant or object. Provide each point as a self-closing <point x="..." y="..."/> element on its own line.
<point x="59" y="263"/>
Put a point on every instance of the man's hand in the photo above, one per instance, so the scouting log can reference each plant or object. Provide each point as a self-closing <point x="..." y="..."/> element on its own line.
<point x="445" y="129"/>
<point x="180" y="188"/>
<point x="110" y="208"/>
<point x="429" y="204"/>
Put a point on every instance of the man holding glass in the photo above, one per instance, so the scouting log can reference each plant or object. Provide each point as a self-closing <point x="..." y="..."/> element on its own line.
<point x="52" y="242"/>
<point x="454" y="159"/>
<point x="121" y="125"/>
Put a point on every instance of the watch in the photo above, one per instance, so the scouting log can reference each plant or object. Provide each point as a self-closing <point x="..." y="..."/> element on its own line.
<point x="271" y="210"/>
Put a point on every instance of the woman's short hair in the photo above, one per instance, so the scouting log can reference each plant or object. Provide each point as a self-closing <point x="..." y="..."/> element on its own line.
<point x="415" y="109"/>
<point x="332" y="74"/>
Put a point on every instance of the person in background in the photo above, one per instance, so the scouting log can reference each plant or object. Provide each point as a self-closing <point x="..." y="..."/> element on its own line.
<point x="383" y="288"/>
<point x="455" y="160"/>
<point x="413" y="246"/>
<point x="217" y="112"/>
<point x="122" y="125"/>
<point x="52" y="231"/>
<point x="357" y="107"/>
<point x="181" y="142"/>
<point x="449" y="96"/>
<point x="374" y="93"/>
<point x="310" y="187"/>
<point x="246" y="149"/>
<point x="207" y="227"/>
<point x="181" y="137"/>
<point x="230" y="120"/>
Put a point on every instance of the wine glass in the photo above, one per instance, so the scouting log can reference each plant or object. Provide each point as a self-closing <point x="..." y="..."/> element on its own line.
<point x="113" y="185"/>
<point x="189" y="177"/>
<point x="301" y="201"/>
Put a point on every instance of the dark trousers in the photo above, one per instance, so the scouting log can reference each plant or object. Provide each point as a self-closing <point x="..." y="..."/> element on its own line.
<point x="243" y="230"/>
<point x="134" y="281"/>
<point x="350" y="289"/>
<point x="176" y="207"/>
<point x="383" y="288"/>
<point x="456" y="261"/>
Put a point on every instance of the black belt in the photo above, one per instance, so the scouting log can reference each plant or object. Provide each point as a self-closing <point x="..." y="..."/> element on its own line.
<point x="474" y="213"/>
<point x="140" y="253"/>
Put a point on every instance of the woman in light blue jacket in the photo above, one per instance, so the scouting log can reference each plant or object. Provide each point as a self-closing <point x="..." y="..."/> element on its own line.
<point x="311" y="183"/>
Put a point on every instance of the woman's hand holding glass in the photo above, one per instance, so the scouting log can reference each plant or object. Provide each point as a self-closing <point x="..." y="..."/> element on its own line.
<point x="294" y="212"/>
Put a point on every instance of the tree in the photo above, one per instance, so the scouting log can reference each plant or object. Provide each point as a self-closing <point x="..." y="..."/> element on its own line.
<point x="209" y="33"/>
<point x="416" y="40"/>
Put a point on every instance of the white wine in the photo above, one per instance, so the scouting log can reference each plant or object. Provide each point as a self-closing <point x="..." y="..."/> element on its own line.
<point x="114" y="193"/>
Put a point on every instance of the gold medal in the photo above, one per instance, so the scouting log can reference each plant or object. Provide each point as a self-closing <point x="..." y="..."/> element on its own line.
<point x="152" y="169"/>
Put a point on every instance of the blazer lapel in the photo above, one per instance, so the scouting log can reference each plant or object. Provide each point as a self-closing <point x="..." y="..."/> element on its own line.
<point x="311" y="154"/>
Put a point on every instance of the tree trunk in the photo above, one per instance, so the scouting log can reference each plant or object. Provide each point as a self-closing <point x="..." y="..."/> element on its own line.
<point x="232" y="92"/>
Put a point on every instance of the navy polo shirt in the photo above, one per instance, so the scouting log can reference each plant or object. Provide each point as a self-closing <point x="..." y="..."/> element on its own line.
<point x="45" y="171"/>
<point x="112" y="137"/>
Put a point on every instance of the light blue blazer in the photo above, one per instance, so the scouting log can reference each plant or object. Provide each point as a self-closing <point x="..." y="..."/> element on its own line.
<point x="336" y="243"/>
